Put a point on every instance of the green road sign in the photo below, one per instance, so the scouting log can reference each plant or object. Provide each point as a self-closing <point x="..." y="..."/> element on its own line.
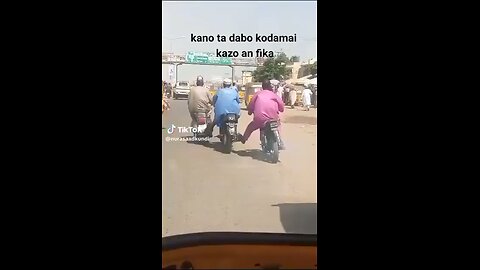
<point x="206" y="58"/>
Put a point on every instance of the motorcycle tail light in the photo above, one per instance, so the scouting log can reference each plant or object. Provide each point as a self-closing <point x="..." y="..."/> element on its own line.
<point x="201" y="121"/>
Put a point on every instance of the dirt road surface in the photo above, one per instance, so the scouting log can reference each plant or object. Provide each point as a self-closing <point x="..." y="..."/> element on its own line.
<point x="205" y="190"/>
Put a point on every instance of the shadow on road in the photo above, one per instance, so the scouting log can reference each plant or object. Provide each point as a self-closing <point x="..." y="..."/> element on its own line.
<point x="298" y="217"/>
<point x="256" y="154"/>
<point x="216" y="146"/>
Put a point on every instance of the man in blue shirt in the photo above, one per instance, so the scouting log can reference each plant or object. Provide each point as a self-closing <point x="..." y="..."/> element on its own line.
<point x="226" y="100"/>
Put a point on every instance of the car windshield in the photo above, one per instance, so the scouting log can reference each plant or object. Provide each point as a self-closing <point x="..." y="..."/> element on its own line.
<point x="247" y="173"/>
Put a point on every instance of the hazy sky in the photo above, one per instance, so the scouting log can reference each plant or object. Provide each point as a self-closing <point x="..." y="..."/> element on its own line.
<point x="229" y="17"/>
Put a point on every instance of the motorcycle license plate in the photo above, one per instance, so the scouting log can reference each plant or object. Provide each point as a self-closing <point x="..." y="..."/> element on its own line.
<point x="273" y="125"/>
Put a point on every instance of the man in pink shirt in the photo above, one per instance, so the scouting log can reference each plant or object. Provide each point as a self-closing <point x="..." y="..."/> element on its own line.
<point x="265" y="106"/>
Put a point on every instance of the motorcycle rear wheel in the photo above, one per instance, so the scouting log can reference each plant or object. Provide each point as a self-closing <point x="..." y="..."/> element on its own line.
<point x="227" y="143"/>
<point x="274" y="151"/>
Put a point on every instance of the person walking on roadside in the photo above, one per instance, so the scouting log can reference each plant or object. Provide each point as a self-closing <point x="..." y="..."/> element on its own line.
<point x="293" y="97"/>
<point x="306" y="97"/>
<point x="280" y="91"/>
<point x="286" y="93"/>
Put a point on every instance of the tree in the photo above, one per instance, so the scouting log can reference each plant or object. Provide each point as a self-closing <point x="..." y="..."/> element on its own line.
<point x="288" y="73"/>
<point x="310" y="69"/>
<point x="314" y="68"/>
<point x="273" y="68"/>
<point x="282" y="58"/>
<point x="295" y="59"/>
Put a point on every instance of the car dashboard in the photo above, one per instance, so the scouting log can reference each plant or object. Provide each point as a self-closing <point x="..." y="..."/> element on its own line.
<point x="239" y="251"/>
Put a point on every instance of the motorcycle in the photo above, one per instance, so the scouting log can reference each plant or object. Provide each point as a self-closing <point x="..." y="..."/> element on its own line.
<point x="270" y="140"/>
<point x="228" y="131"/>
<point x="201" y="122"/>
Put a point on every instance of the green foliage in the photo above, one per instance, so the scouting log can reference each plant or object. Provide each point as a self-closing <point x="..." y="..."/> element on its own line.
<point x="308" y="70"/>
<point x="282" y="58"/>
<point x="273" y="68"/>
<point x="314" y="68"/>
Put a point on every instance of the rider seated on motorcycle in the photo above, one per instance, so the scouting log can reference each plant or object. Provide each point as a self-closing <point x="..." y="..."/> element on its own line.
<point x="226" y="100"/>
<point x="265" y="106"/>
<point x="199" y="101"/>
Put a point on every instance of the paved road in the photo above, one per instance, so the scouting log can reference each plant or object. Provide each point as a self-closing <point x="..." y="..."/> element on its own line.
<point x="206" y="190"/>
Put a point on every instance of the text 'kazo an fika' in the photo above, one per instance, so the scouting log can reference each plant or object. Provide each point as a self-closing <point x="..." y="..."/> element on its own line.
<point x="259" y="53"/>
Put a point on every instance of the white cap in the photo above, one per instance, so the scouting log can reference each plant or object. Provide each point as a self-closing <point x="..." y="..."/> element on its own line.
<point x="227" y="81"/>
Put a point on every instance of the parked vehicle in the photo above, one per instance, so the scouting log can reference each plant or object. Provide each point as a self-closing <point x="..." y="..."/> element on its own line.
<point x="182" y="89"/>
